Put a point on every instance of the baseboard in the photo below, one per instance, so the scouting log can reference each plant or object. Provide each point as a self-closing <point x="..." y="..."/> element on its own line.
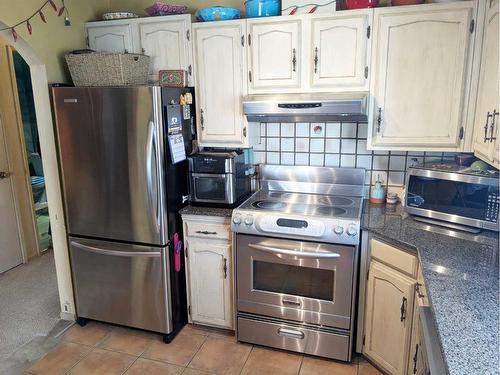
<point x="68" y="316"/>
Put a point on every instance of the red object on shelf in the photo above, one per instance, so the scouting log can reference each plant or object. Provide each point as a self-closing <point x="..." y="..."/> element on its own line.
<point x="359" y="4"/>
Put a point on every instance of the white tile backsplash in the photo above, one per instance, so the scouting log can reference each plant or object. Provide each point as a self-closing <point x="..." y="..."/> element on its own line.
<point x="337" y="145"/>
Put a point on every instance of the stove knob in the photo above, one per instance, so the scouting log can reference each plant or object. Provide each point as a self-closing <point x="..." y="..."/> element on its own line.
<point x="249" y="220"/>
<point x="351" y="230"/>
<point x="338" y="229"/>
<point x="237" y="219"/>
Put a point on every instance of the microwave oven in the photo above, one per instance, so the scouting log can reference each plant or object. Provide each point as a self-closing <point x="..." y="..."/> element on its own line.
<point x="453" y="196"/>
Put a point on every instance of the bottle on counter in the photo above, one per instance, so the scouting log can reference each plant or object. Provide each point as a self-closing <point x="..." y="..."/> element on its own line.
<point x="377" y="194"/>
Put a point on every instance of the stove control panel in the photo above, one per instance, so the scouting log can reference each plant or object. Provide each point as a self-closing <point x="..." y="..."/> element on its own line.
<point x="299" y="227"/>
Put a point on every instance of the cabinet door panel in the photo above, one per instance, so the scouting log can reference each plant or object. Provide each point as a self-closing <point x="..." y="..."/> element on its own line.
<point x="210" y="284"/>
<point x="488" y="99"/>
<point x="220" y="67"/>
<point x="166" y="43"/>
<point x="339" y="52"/>
<point x="388" y="321"/>
<point x="419" y="74"/>
<point x="117" y="38"/>
<point x="274" y="54"/>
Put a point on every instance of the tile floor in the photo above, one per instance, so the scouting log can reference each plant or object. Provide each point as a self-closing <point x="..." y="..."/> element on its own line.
<point x="104" y="349"/>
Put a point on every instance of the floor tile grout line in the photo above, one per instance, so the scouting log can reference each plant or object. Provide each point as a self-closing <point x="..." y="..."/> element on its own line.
<point x="246" y="360"/>
<point x="197" y="351"/>
<point x="128" y="368"/>
<point x="301" y="363"/>
<point x="81" y="359"/>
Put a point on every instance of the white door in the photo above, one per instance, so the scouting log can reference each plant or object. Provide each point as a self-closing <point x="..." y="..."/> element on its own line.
<point x="388" y="321"/>
<point x="210" y="282"/>
<point x="220" y="64"/>
<point x="274" y="55"/>
<point x="10" y="241"/>
<point x="167" y="43"/>
<point x="419" y="71"/>
<point x="111" y="38"/>
<point x="487" y="120"/>
<point x="339" y="52"/>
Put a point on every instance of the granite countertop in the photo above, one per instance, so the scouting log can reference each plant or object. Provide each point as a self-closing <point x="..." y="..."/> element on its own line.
<point x="461" y="276"/>
<point x="206" y="211"/>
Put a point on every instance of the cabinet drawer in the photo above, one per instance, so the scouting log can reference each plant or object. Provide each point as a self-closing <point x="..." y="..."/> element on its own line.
<point x="394" y="257"/>
<point x="206" y="230"/>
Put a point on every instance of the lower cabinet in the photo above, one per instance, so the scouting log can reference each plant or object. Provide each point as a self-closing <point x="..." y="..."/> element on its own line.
<point x="209" y="265"/>
<point x="388" y="317"/>
<point x="394" y="290"/>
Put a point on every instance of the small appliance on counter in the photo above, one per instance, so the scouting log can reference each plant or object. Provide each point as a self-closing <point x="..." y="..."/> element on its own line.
<point x="454" y="196"/>
<point x="218" y="178"/>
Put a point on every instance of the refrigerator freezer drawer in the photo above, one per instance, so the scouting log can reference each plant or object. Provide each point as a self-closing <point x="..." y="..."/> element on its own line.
<point x="121" y="283"/>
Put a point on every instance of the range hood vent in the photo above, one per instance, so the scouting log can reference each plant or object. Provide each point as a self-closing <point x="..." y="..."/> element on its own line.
<point x="306" y="107"/>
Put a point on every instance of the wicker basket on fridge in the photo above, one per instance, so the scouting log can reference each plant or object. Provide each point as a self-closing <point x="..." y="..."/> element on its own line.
<point x="108" y="69"/>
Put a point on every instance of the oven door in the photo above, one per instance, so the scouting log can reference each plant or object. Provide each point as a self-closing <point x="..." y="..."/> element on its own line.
<point x="212" y="188"/>
<point x="303" y="281"/>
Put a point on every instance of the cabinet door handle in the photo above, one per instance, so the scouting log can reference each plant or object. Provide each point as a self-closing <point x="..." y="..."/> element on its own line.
<point x="379" y="119"/>
<point x="143" y="50"/>
<point x="417" y="289"/>
<point x="245" y="131"/>
<point x="225" y="268"/>
<point x="190" y="70"/>
<point x="316" y="60"/>
<point x="492" y="125"/>
<point x="202" y="119"/>
<point x="415" y="359"/>
<point x="486" y="126"/>
<point x="403" y="309"/>
<point x="294" y="59"/>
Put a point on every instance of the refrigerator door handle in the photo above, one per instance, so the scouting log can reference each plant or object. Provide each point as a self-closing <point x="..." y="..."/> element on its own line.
<point x="115" y="252"/>
<point x="158" y="190"/>
<point x="151" y="161"/>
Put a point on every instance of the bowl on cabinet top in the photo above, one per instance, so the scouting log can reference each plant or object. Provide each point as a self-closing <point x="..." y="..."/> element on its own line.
<point x="217" y="14"/>
<point x="359" y="4"/>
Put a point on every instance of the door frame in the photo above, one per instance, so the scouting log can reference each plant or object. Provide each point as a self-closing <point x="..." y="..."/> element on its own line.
<point x="51" y="169"/>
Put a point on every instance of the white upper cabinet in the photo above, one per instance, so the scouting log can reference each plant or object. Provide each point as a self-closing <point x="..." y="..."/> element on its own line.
<point x="220" y="63"/>
<point x="340" y="51"/>
<point x="167" y="42"/>
<point x="165" y="39"/>
<point x="487" y="120"/>
<point x="274" y="56"/>
<point x="110" y="37"/>
<point x="420" y="65"/>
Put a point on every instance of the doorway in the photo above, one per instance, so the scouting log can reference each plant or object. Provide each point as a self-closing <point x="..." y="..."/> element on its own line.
<point x="33" y="154"/>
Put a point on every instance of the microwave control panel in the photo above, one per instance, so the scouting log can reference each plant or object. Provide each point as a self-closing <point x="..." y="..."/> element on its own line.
<point x="492" y="207"/>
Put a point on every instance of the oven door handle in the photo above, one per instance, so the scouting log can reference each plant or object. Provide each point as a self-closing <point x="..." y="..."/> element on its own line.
<point x="301" y="254"/>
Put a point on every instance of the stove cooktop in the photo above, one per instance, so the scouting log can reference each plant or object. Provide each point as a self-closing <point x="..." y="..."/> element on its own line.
<point x="312" y="205"/>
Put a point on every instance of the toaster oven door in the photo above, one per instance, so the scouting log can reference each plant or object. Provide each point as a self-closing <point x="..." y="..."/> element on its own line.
<point x="212" y="188"/>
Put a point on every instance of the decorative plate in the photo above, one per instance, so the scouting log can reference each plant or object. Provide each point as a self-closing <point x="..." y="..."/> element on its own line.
<point x="118" y="16"/>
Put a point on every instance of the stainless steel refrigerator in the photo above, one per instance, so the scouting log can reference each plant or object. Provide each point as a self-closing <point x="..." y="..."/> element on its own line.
<point x="122" y="194"/>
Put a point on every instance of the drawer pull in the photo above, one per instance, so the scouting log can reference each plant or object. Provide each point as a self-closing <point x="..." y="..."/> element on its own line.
<point x="295" y="334"/>
<point x="289" y="302"/>
<point x="206" y="232"/>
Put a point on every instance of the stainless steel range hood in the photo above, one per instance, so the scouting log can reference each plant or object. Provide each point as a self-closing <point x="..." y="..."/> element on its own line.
<point x="306" y="107"/>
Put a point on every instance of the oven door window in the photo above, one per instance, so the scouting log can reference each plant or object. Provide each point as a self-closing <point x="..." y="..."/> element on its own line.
<point x="293" y="280"/>
<point x="210" y="188"/>
<point x="450" y="197"/>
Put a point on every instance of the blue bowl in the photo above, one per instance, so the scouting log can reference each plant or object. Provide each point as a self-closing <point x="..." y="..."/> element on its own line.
<point x="262" y="8"/>
<point x="217" y="14"/>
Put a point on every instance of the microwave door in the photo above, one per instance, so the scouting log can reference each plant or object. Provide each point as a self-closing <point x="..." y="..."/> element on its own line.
<point x="111" y="155"/>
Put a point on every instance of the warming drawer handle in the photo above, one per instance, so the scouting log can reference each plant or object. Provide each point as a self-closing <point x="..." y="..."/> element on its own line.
<point x="116" y="252"/>
<point x="286" y="332"/>
<point x="301" y="254"/>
